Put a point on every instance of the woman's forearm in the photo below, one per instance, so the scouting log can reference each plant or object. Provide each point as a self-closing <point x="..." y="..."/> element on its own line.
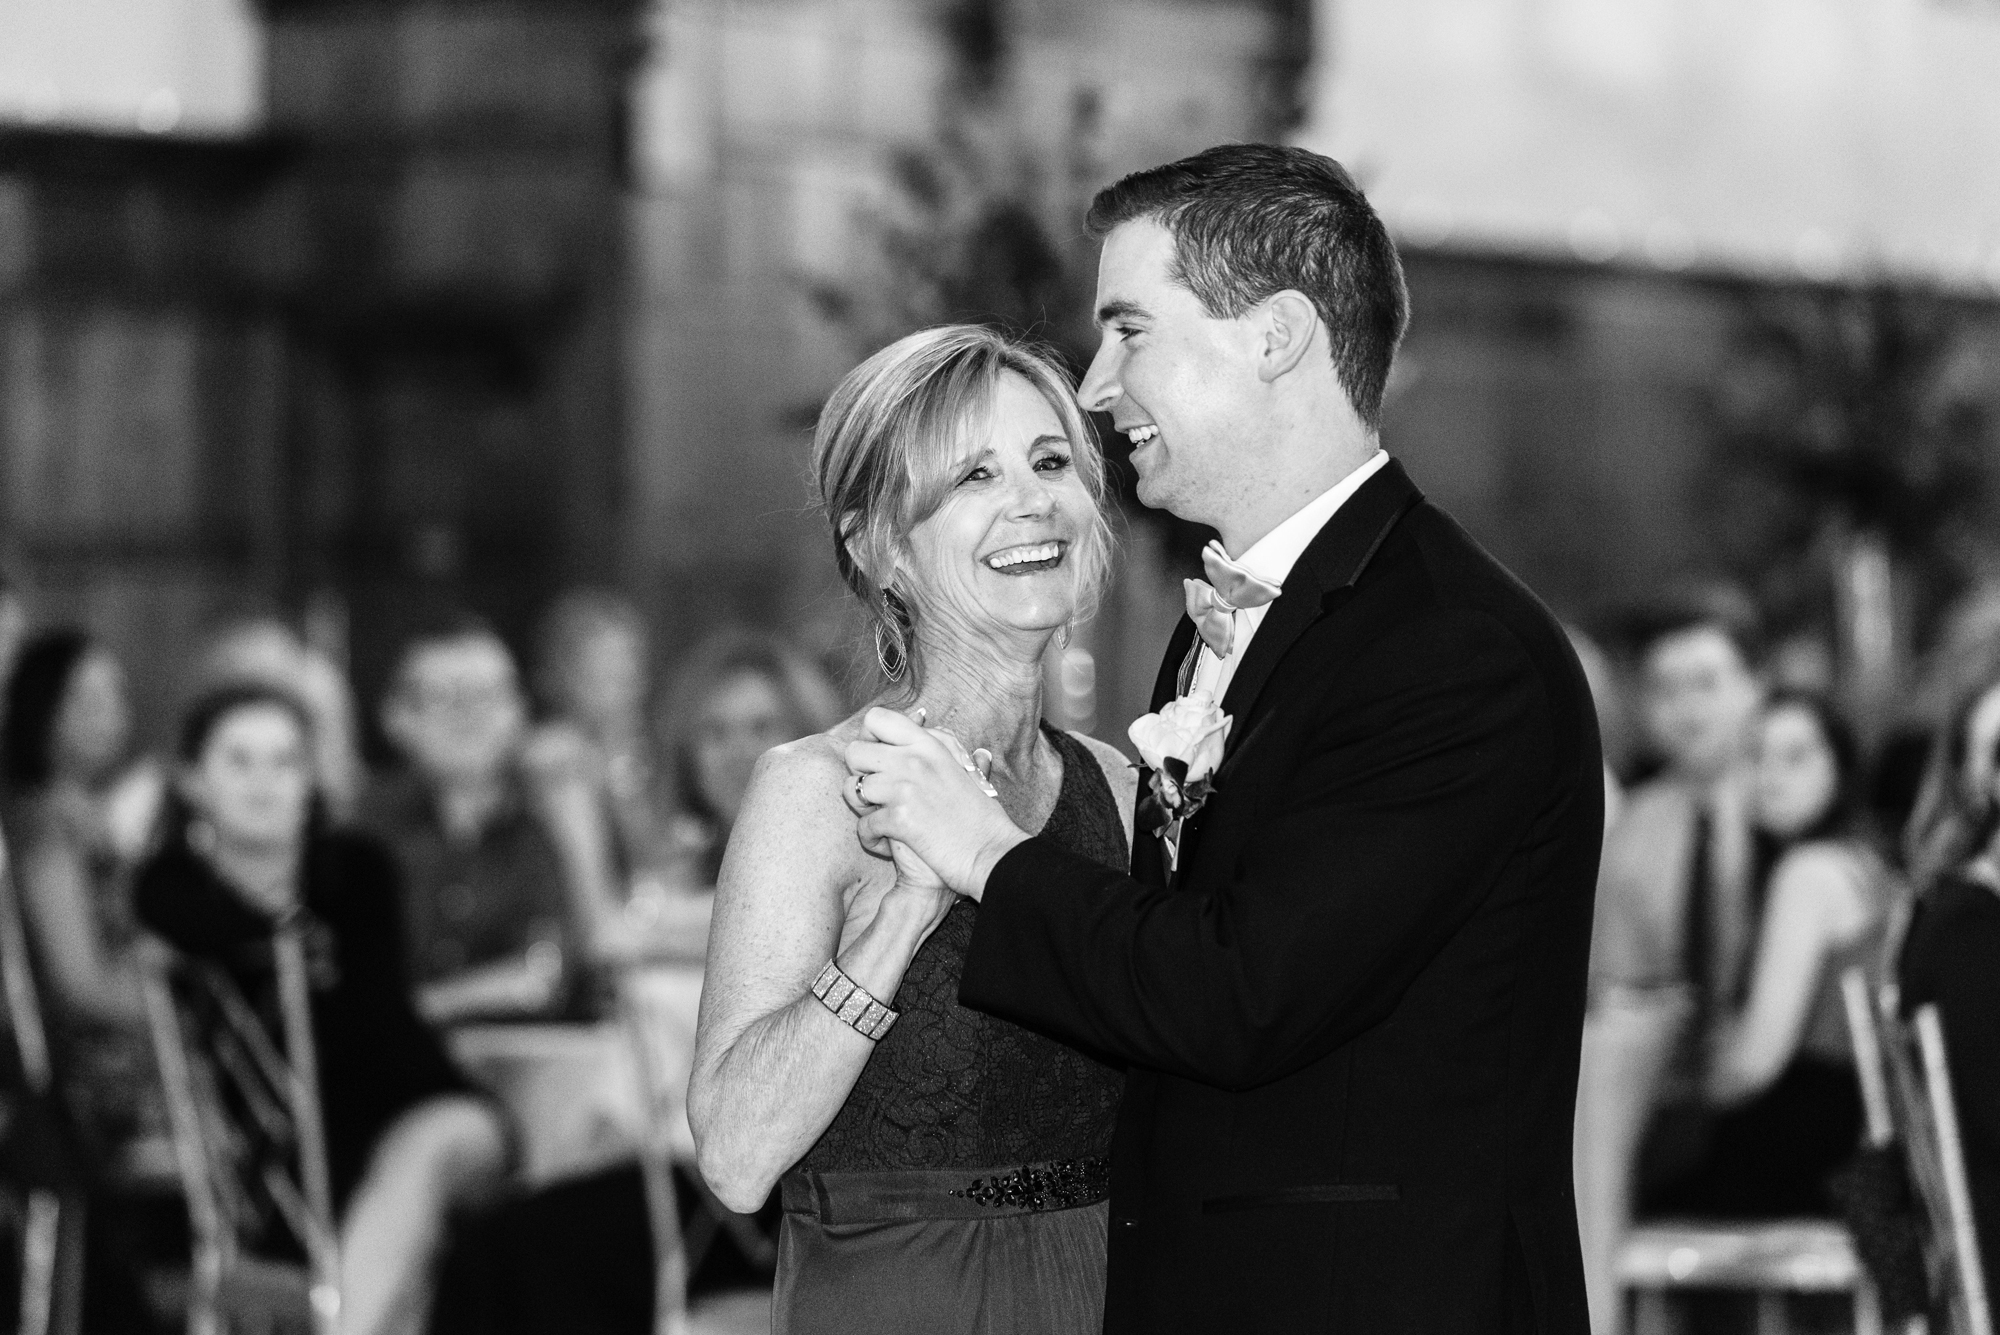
<point x="770" y="1093"/>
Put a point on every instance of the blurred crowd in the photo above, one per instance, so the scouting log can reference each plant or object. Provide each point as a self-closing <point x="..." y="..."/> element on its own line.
<point x="1762" y="840"/>
<point x="544" y="829"/>
<point x="540" y="831"/>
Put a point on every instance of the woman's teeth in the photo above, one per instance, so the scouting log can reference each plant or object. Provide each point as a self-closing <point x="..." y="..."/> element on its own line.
<point x="1139" y="435"/>
<point x="1040" y="556"/>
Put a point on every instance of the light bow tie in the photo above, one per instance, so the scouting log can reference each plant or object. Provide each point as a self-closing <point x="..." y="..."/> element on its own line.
<point x="1212" y="603"/>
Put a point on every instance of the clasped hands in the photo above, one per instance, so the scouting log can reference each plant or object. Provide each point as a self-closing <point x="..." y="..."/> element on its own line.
<point x="917" y="787"/>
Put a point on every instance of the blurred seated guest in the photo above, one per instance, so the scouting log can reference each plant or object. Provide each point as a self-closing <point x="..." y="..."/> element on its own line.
<point x="740" y="693"/>
<point x="265" y="649"/>
<point x="406" y="1138"/>
<point x="1674" y="904"/>
<point x="593" y="674"/>
<point x="595" y="770"/>
<point x="1950" y="954"/>
<point x="1780" y="1105"/>
<point x="76" y="819"/>
<point x="1676" y="871"/>
<point x="487" y="897"/>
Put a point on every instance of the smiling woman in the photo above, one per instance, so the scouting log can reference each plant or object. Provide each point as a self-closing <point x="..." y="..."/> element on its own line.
<point x="833" y="1059"/>
<point x="901" y="440"/>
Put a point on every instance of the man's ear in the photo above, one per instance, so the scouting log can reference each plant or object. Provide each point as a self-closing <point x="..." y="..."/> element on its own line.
<point x="1286" y="323"/>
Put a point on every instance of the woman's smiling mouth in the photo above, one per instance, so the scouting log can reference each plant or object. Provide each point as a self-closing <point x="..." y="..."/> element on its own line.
<point x="1029" y="559"/>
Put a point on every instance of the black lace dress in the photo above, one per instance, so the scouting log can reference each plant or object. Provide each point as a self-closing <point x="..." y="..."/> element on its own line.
<point x="962" y="1186"/>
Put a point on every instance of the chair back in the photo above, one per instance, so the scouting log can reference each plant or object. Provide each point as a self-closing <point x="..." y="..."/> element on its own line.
<point x="51" y="1259"/>
<point x="17" y="981"/>
<point x="248" y="1138"/>
<point x="1926" y="1118"/>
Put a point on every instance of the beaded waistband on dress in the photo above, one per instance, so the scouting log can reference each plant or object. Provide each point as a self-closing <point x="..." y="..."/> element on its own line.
<point x="948" y="1193"/>
<point x="1060" y="1184"/>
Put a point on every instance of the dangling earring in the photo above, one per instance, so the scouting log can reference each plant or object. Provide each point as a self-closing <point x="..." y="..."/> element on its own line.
<point x="1062" y="636"/>
<point x="893" y="670"/>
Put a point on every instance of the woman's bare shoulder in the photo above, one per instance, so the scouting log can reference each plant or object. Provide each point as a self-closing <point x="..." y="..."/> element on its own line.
<point x="795" y="810"/>
<point x="1828" y="880"/>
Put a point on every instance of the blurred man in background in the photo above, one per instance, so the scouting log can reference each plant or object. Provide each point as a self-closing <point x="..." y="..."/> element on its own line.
<point x="1678" y="860"/>
<point x="489" y="910"/>
<point x="1675" y="918"/>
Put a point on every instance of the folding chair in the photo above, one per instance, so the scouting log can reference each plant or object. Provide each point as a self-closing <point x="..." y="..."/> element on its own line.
<point x="249" y="1142"/>
<point x="656" y="1005"/>
<point x="51" y="1261"/>
<point x="1926" y="1119"/>
<point x="1769" y="1258"/>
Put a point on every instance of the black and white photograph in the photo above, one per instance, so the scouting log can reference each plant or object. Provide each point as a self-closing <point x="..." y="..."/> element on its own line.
<point x="999" y="667"/>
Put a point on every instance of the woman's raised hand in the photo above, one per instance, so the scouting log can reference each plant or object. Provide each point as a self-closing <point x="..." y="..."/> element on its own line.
<point x="919" y="786"/>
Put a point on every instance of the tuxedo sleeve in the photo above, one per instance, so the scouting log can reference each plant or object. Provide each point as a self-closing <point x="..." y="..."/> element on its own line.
<point x="1428" y="762"/>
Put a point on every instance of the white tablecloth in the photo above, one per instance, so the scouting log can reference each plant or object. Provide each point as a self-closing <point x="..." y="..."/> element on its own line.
<point x="576" y="1092"/>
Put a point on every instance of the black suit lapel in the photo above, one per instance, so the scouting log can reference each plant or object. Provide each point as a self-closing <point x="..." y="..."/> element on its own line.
<point x="1149" y="863"/>
<point x="1333" y="560"/>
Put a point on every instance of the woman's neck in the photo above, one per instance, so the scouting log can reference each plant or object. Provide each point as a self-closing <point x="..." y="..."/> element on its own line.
<point x="987" y="696"/>
<point x="266" y="874"/>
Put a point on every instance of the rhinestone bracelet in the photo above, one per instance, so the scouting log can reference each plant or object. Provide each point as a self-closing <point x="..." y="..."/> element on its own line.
<point x="851" y="1003"/>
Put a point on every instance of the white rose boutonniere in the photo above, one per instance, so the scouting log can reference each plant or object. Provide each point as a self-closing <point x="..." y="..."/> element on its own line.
<point x="1182" y="745"/>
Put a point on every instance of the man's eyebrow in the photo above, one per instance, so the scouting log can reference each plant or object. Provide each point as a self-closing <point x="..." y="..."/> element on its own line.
<point x="1120" y="310"/>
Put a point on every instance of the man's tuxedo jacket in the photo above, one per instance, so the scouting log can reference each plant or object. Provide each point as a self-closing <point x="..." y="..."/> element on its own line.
<point x="1351" y="1018"/>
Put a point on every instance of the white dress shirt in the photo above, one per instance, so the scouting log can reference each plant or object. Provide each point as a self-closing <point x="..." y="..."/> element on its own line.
<point x="1271" y="558"/>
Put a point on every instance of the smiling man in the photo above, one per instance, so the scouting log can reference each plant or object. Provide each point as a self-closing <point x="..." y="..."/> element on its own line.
<point x="1347" y="982"/>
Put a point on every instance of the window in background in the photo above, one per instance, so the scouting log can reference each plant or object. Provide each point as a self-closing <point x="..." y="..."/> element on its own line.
<point x="154" y="66"/>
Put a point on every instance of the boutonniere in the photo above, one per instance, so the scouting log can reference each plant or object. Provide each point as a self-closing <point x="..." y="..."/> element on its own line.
<point x="1182" y="745"/>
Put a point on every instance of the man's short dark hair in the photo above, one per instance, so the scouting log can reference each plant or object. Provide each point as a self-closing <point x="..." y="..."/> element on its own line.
<point x="437" y="627"/>
<point x="1720" y="607"/>
<point x="1250" y="221"/>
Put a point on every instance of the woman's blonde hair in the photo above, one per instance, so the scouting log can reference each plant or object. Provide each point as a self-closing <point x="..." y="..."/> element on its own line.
<point x="884" y="451"/>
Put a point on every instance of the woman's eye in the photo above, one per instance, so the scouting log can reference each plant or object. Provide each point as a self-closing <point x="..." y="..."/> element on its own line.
<point x="979" y="474"/>
<point x="1052" y="463"/>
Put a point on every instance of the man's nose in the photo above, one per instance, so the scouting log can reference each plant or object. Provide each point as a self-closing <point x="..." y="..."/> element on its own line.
<point x="1100" y="388"/>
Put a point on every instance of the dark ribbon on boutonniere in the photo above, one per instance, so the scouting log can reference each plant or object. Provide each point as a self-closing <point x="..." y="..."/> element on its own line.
<point x="1167" y="816"/>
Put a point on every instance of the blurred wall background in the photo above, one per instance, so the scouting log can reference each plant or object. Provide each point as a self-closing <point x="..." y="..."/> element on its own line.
<point x="340" y="307"/>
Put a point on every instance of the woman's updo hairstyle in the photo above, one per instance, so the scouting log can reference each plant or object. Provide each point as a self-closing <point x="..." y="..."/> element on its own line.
<point x="884" y="455"/>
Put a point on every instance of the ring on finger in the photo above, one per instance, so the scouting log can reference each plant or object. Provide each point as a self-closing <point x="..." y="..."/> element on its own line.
<point x="858" y="798"/>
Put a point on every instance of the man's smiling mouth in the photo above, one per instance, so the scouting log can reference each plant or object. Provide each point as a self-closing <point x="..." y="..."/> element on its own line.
<point x="1139" y="435"/>
<point x="1027" y="560"/>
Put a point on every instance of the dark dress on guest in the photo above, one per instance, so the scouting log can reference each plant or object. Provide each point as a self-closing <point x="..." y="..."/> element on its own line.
<point x="1951" y="958"/>
<point x="1771" y="1156"/>
<point x="961" y="1187"/>
<point x="377" y="1059"/>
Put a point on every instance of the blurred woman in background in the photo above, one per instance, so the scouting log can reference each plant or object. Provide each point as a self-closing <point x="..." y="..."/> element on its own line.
<point x="1950" y="953"/>
<point x="1783" y="1103"/>
<point x="406" y="1138"/>
<point x="592" y="766"/>
<point x="740" y="693"/>
<point x="77" y="819"/>
<point x="593" y="671"/>
<point x="265" y="649"/>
